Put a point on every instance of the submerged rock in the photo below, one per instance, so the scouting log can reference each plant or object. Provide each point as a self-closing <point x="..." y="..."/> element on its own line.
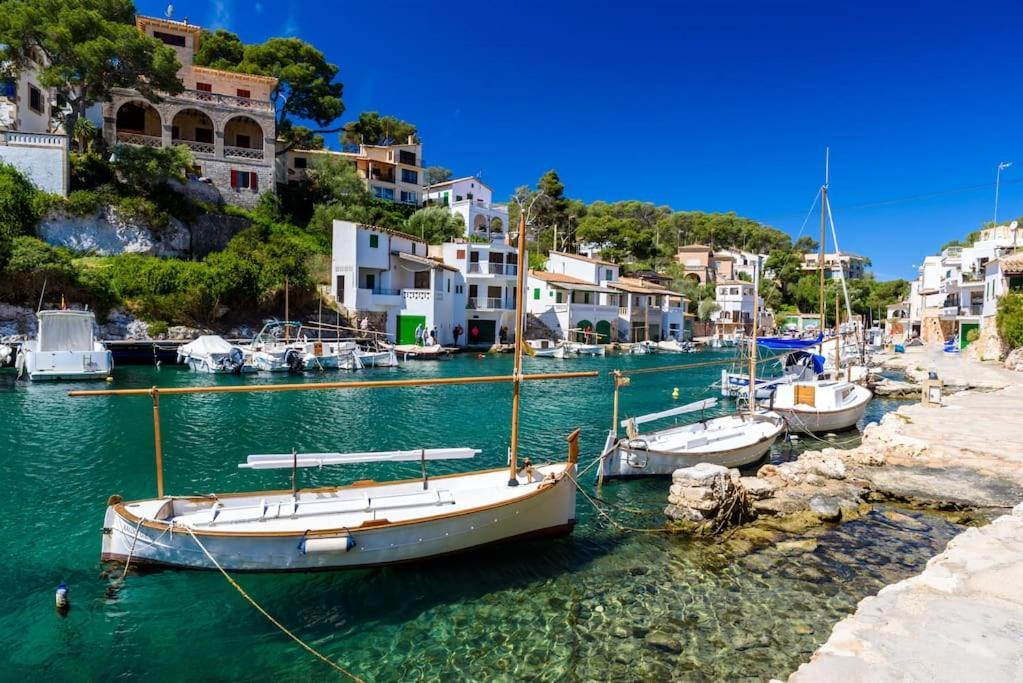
<point x="659" y="640"/>
<point x="827" y="509"/>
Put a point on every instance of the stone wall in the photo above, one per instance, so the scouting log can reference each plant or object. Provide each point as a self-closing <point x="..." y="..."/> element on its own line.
<point x="989" y="346"/>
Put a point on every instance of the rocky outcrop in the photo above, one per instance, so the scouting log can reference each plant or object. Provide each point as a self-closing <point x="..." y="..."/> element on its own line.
<point x="536" y="329"/>
<point x="211" y="232"/>
<point x="706" y="498"/>
<point x="988" y="346"/>
<point x="17" y="323"/>
<point x="109" y="231"/>
<point x="1014" y="361"/>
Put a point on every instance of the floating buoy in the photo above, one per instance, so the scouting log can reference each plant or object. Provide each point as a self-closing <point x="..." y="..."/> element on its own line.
<point x="674" y="393"/>
<point x="793" y="437"/>
<point x="481" y="356"/>
<point x="62" y="602"/>
<point x="110" y="379"/>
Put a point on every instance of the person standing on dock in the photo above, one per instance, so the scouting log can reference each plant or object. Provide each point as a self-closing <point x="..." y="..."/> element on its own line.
<point x="457" y="332"/>
<point x="419" y="334"/>
<point x="435" y="338"/>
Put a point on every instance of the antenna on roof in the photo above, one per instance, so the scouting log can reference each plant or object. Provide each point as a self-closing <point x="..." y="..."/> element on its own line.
<point x="170" y="11"/>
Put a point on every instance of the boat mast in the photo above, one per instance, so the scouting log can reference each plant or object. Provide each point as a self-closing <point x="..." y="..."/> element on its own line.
<point x="820" y="258"/>
<point x="753" y="341"/>
<point x="513" y="451"/>
<point x="286" y="331"/>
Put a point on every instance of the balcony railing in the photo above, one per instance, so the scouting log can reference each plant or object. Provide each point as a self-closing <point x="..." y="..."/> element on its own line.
<point x="243" y="152"/>
<point x="475" y="267"/>
<point x="13" y="137"/>
<point x="130" y="138"/>
<point x="485" y="303"/>
<point x="504" y="269"/>
<point x="383" y="291"/>
<point x="226" y="100"/>
<point x="196" y="146"/>
<point x="972" y="309"/>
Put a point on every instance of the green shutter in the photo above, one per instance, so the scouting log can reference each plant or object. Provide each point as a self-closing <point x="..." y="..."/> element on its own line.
<point x="536" y="293"/>
<point x="374" y="241"/>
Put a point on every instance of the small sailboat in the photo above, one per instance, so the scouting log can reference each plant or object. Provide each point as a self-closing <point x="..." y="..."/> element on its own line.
<point x="822" y="405"/>
<point x="730" y="441"/>
<point x="213" y="354"/>
<point x="363" y="524"/>
<point x="65" y="348"/>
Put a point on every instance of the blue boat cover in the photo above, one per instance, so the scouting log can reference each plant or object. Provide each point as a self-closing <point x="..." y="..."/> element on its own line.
<point x="786" y="343"/>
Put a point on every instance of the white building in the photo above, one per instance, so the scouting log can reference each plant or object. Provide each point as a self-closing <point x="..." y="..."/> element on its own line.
<point x="735" y="308"/>
<point x="489" y="270"/>
<point x="570" y="306"/>
<point x="472" y="199"/>
<point x="389" y="277"/>
<point x="743" y="262"/>
<point x="29" y="136"/>
<point x="648" y="311"/>
<point x="837" y="264"/>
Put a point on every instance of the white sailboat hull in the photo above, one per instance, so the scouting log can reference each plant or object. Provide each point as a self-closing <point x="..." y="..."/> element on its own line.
<point x="345" y="527"/>
<point x="820" y="418"/>
<point x="730" y="441"/>
<point x="378" y="359"/>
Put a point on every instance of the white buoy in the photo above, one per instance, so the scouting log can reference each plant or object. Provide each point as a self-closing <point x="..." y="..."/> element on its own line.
<point x="674" y="393"/>
<point x="62" y="601"/>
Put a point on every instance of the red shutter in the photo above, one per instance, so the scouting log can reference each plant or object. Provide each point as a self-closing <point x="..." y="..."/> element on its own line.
<point x="234" y="178"/>
<point x="253" y="181"/>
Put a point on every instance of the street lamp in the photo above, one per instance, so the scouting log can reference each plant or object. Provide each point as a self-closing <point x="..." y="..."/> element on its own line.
<point x="998" y="177"/>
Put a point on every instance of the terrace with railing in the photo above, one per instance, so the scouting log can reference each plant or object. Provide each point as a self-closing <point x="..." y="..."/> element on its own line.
<point x="231" y="101"/>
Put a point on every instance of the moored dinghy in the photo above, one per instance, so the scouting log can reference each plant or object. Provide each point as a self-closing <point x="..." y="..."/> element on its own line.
<point x="820" y="405"/>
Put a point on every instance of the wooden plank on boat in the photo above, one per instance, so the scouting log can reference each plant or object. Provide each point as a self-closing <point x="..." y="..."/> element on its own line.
<point x="806" y="394"/>
<point x="289" y="460"/>
<point x="688" y="408"/>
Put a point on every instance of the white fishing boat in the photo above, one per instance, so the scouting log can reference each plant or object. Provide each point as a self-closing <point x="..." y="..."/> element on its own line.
<point x="644" y="347"/>
<point x="730" y="441"/>
<point x="675" y="346"/>
<point x="376" y="358"/>
<point x="582" y="349"/>
<point x="820" y="405"/>
<point x="213" y="354"/>
<point x="65" y="348"/>
<point x="362" y="524"/>
<point x="543" y="348"/>
<point x="277" y="347"/>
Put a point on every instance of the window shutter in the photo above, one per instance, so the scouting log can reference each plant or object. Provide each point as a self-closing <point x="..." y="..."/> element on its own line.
<point x="234" y="178"/>
<point x="254" y="180"/>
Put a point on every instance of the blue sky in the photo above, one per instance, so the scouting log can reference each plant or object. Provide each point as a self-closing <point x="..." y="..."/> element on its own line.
<point x="713" y="106"/>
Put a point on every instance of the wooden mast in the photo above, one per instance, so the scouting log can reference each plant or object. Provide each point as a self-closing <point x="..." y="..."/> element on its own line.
<point x="753" y="342"/>
<point x="838" y="338"/>
<point x="287" y="336"/>
<point x="513" y="451"/>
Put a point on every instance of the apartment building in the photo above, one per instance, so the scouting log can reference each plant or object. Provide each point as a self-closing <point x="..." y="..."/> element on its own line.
<point x="30" y="138"/>
<point x="391" y="172"/>
<point x="838" y="265"/>
<point x="389" y="278"/>
<point x="706" y="265"/>
<point x="735" y="308"/>
<point x="489" y="271"/>
<point x="226" y="119"/>
<point x="472" y="199"/>
<point x="648" y="311"/>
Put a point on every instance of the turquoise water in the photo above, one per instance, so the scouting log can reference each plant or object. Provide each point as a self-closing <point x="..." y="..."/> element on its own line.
<point x="578" y="608"/>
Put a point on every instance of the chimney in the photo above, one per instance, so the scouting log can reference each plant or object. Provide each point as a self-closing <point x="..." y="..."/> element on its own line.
<point x="411" y="139"/>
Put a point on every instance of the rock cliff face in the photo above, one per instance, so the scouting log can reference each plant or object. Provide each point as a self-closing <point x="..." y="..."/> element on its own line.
<point x="212" y="232"/>
<point x="109" y="232"/>
<point x="988" y="346"/>
<point x="1014" y="361"/>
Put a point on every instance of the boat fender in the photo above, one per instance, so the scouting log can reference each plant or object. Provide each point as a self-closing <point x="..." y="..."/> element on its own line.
<point x="62" y="602"/>
<point x="637" y="444"/>
<point x="336" y="544"/>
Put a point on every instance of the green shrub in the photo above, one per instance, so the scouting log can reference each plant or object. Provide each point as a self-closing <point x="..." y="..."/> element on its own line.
<point x="19" y="209"/>
<point x="143" y="210"/>
<point x="90" y="171"/>
<point x="29" y="255"/>
<point x="146" y="167"/>
<point x="85" y="203"/>
<point x="1010" y="319"/>
<point x="972" y="335"/>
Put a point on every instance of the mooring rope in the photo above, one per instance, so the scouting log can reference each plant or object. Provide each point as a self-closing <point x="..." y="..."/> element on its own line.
<point x="279" y="625"/>
<point x="131" y="551"/>
<point x="609" y="518"/>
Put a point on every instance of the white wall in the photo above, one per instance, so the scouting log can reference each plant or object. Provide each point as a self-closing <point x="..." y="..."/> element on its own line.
<point x="45" y="167"/>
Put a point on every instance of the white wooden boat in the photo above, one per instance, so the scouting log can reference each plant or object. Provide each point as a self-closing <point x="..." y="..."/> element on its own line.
<point x="544" y="348"/>
<point x="212" y="354"/>
<point x="376" y="358"/>
<point x="360" y="525"/>
<point x="582" y="349"/>
<point x="729" y="441"/>
<point x="65" y="348"/>
<point x="820" y="405"/>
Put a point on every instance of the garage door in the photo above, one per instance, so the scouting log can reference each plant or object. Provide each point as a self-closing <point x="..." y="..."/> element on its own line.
<point x="482" y="331"/>
<point x="407" y="325"/>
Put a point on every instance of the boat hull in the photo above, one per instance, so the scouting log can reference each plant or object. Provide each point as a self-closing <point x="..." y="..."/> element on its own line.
<point x="623" y="462"/>
<point x="823" y="421"/>
<point x="546" y="511"/>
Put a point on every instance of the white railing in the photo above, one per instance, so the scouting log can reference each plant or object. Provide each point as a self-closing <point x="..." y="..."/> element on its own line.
<point x="485" y="303"/>
<point x="474" y="267"/>
<point x="243" y="152"/>
<point x="197" y="147"/>
<point x="14" y="137"/>
<point x="422" y="295"/>
<point x="226" y="100"/>
<point x="139" y="139"/>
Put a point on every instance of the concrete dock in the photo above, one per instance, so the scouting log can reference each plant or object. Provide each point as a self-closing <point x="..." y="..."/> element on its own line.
<point x="962" y="618"/>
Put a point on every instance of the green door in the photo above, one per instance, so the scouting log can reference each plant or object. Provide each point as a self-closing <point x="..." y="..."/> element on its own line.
<point x="964" y="329"/>
<point x="407" y="325"/>
<point x="482" y="331"/>
<point x="603" y="331"/>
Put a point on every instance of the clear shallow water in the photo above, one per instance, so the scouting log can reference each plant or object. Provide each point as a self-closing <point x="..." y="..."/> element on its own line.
<point x="577" y="608"/>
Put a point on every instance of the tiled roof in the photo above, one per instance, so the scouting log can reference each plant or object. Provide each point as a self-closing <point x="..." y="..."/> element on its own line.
<point x="580" y="257"/>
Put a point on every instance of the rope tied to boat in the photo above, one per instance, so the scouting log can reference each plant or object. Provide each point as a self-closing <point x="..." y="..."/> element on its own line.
<point x="308" y="648"/>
